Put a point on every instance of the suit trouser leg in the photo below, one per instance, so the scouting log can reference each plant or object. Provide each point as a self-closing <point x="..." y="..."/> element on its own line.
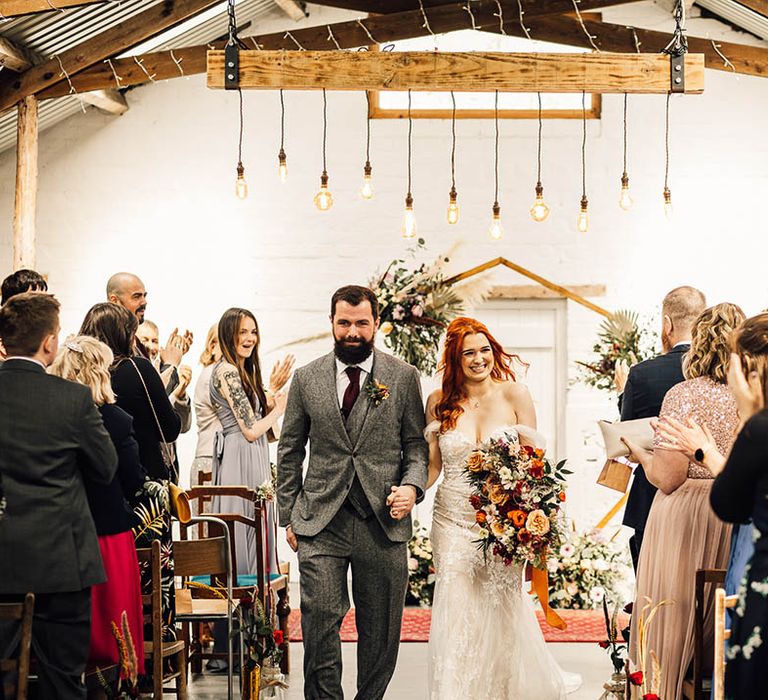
<point x="323" y="565"/>
<point x="61" y="636"/>
<point x="635" y="543"/>
<point x="379" y="580"/>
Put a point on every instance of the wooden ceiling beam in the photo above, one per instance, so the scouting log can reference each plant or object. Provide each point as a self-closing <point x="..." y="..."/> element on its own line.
<point x="351" y="34"/>
<point x="292" y="9"/>
<point x="108" y="101"/>
<point x="469" y="72"/>
<point x="14" y="57"/>
<point x="530" y="8"/>
<point x="748" y="60"/>
<point x="128" y="33"/>
<point x="16" y="8"/>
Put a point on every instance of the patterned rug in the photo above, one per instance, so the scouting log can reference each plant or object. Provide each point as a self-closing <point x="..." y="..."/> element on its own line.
<point x="583" y="626"/>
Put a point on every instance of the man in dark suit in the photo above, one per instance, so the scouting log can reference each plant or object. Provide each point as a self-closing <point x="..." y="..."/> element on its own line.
<point x="647" y="384"/>
<point x="50" y="436"/>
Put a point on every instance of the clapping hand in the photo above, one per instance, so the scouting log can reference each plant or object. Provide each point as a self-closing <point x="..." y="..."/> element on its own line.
<point x="683" y="437"/>
<point x="746" y="389"/>
<point x="185" y="378"/>
<point x="281" y="373"/>
<point x="401" y="501"/>
<point x="176" y="347"/>
<point x="620" y="375"/>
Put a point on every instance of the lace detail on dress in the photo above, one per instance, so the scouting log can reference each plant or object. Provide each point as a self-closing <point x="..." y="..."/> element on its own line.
<point x="485" y="641"/>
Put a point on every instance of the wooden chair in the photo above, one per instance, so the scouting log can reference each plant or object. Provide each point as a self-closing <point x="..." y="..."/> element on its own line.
<point x="14" y="672"/>
<point x="697" y="686"/>
<point x="278" y="580"/>
<point x="157" y="650"/>
<point x="722" y="602"/>
<point x="205" y="557"/>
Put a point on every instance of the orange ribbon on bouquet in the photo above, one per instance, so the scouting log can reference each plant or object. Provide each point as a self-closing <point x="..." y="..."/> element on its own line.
<point x="540" y="586"/>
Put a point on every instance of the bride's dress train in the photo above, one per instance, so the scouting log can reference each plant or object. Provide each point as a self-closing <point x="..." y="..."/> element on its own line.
<point x="485" y="642"/>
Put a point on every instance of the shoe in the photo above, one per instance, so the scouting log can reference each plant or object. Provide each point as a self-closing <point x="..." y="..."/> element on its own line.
<point x="216" y="666"/>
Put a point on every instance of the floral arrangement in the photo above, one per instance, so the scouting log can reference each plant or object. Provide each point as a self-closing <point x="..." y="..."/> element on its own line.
<point x="648" y="679"/>
<point x="517" y="495"/>
<point x="620" y="337"/>
<point x="421" y="567"/>
<point x="416" y="305"/>
<point x="616" y="649"/>
<point x="267" y="491"/>
<point x="377" y="391"/>
<point x="589" y="568"/>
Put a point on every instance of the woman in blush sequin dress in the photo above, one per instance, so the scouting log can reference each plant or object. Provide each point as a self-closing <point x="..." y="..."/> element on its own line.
<point x="683" y="534"/>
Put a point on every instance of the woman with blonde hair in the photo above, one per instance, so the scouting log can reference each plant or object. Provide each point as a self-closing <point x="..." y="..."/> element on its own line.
<point x="740" y="495"/>
<point x="205" y="412"/>
<point x="85" y="360"/>
<point x="683" y="534"/>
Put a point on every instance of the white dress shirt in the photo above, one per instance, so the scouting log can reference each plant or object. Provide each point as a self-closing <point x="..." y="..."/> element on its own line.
<point x="32" y="359"/>
<point x="342" y="378"/>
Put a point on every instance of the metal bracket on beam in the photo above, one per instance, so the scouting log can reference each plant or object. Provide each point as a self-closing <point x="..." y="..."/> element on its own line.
<point x="677" y="73"/>
<point x="231" y="66"/>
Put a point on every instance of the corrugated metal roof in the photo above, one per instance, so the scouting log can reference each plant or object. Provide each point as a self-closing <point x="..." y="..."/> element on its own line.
<point x="739" y="15"/>
<point x="50" y="33"/>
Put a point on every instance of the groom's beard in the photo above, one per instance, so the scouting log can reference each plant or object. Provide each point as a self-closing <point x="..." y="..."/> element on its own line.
<point x="353" y="353"/>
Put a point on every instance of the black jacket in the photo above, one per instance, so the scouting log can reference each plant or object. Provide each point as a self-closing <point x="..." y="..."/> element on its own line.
<point x="109" y="502"/>
<point x="51" y="436"/>
<point x="647" y="385"/>
<point x="132" y="398"/>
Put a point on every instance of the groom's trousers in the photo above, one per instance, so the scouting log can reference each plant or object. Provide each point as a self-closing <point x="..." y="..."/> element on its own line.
<point x="379" y="580"/>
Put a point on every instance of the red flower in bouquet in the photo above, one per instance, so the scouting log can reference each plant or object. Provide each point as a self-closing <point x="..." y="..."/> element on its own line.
<point x="278" y="636"/>
<point x="475" y="501"/>
<point x="518" y="517"/>
<point x="524" y="536"/>
<point x="636" y="678"/>
<point x="246" y="602"/>
<point x="481" y="517"/>
<point x="537" y="469"/>
<point x="650" y="696"/>
<point x="604" y="644"/>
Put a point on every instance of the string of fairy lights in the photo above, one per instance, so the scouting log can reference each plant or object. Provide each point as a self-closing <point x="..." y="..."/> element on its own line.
<point x="539" y="211"/>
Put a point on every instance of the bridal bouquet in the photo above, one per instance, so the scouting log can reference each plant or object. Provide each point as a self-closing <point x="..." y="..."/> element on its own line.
<point x="517" y="495"/>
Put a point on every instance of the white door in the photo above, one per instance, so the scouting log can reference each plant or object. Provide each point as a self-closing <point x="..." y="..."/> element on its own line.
<point x="535" y="329"/>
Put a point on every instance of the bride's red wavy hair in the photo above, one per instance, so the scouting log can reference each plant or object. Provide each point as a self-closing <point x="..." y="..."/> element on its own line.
<point x="448" y="409"/>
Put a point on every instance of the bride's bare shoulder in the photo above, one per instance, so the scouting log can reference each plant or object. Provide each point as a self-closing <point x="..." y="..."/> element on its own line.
<point x="434" y="398"/>
<point x="516" y="392"/>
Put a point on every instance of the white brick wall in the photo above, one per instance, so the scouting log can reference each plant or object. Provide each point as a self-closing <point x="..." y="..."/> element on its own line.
<point x="152" y="192"/>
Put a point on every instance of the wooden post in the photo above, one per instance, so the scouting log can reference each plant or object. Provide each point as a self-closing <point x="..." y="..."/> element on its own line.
<point x="26" y="185"/>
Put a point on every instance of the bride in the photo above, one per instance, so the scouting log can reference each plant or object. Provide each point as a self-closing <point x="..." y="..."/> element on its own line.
<point x="485" y="641"/>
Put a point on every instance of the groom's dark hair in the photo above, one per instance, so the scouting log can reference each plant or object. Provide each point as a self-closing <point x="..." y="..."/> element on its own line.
<point x="355" y="295"/>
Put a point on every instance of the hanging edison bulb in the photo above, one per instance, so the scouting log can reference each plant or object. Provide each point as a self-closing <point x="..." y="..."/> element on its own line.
<point x="539" y="211"/>
<point x="496" y="231"/>
<point x="668" y="211"/>
<point x="453" y="207"/>
<point x="282" y="168"/>
<point x="625" y="199"/>
<point x="409" y="221"/>
<point x="323" y="199"/>
<point x="583" y="223"/>
<point x="366" y="191"/>
<point x="241" y="186"/>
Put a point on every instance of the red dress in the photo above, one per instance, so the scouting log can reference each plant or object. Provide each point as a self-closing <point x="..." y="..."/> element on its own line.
<point x="121" y="592"/>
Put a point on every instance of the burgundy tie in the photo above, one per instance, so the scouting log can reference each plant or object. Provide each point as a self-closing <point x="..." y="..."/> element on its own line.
<point x="352" y="391"/>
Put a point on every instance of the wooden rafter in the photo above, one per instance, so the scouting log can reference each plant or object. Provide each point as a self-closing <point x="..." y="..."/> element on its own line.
<point x="15" y="8"/>
<point x="25" y="205"/>
<point x="291" y="8"/>
<point x="469" y="72"/>
<point x="351" y="34"/>
<point x="128" y="33"/>
<point x="13" y="57"/>
<point x="749" y="60"/>
<point x="530" y="7"/>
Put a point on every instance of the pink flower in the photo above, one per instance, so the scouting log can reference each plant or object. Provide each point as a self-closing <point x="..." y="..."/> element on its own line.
<point x="417" y="310"/>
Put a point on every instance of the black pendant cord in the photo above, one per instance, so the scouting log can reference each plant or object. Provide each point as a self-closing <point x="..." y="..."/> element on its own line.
<point x="368" y="128"/>
<point x="325" y="127"/>
<point x="666" y="145"/>
<point x="625" y="134"/>
<point x="538" y="155"/>
<point x="240" y="136"/>
<point x="410" y="133"/>
<point x="583" y="145"/>
<point x="453" y="142"/>
<point x="282" y="122"/>
<point x="496" y="147"/>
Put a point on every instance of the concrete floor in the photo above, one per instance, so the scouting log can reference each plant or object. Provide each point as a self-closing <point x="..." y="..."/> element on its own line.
<point x="409" y="681"/>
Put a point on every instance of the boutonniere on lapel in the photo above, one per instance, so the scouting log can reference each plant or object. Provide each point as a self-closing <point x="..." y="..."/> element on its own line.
<point x="377" y="391"/>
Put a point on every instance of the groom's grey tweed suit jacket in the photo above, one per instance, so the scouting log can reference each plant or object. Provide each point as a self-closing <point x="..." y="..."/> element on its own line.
<point x="383" y="444"/>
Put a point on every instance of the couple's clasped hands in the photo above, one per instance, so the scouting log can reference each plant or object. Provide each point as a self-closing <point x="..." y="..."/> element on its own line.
<point x="401" y="501"/>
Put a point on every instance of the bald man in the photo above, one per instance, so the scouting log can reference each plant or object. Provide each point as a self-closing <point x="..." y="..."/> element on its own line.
<point x="126" y="289"/>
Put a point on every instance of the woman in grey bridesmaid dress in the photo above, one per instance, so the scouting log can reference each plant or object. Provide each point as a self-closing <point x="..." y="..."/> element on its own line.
<point x="247" y="413"/>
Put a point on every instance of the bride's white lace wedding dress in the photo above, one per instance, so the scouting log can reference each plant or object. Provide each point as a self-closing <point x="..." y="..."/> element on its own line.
<point x="485" y="642"/>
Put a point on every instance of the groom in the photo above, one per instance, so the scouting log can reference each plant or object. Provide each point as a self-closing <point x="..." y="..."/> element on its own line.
<point x="362" y="413"/>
